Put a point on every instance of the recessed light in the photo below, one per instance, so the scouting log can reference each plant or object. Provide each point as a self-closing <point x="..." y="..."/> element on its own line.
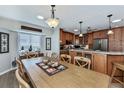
<point x="116" y="26"/>
<point x="75" y="30"/>
<point x="40" y="17"/>
<point x="115" y="21"/>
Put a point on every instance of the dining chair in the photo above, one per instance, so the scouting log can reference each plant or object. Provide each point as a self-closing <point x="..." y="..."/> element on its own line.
<point x="65" y="58"/>
<point x="22" y="71"/>
<point x="120" y="66"/>
<point x="21" y="81"/>
<point x="31" y="55"/>
<point x="82" y="61"/>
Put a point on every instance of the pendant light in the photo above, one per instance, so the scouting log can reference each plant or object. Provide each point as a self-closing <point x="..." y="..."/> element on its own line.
<point x="110" y="32"/>
<point x="53" y="22"/>
<point x="80" y="35"/>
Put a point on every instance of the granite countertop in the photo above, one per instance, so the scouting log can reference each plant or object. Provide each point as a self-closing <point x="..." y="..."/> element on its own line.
<point x="101" y="52"/>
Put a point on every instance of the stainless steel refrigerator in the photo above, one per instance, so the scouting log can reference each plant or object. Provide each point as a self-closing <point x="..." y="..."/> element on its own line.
<point x="100" y="44"/>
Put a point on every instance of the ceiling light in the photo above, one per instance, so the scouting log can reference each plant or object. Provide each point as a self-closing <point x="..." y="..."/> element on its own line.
<point x="115" y="21"/>
<point x="40" y="17"/>
<point x="53" y="22"/>
<point x="75" y="30"/>
<point x="80" y="35"/>
<point x="110" y="32"/>
<point x="110" y="28"/>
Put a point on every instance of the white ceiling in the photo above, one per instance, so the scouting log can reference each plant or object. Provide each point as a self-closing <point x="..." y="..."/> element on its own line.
<point x="69" y="15"/>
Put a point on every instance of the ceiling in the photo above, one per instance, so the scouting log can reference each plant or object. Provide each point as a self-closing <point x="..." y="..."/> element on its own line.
<point x="94" y="16"/>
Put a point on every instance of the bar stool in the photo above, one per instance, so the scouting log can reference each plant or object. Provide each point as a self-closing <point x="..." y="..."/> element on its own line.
<point x="65" y="58"/>
<point x="116" y="66"/>
<point x="80" y="60"/>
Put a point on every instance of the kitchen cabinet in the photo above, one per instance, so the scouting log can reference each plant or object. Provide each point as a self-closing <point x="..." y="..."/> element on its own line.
<point x="90" y="40"/>
<point x="66" y="36"/>
<point x="116" y="40"/>
<point x="100" y="63"/>
<point x="72" y="54"/>
<point x="100" y="34"/>
<point x="79" y="40"/>
<point x="85" y="37"/>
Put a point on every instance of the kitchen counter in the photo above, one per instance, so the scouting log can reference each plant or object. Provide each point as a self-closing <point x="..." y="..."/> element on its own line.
<point x="101" y="52"/>
<point x="101" y="61"/>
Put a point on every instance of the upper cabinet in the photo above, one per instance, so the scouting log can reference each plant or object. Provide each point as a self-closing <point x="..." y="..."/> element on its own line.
<point x="116" y="40"/>
<point x="100" y="34"/>
<point x="66" y="37"/>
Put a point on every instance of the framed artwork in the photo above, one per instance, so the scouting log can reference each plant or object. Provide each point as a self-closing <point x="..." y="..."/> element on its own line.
<point x="4" y="42"/>
<point x="48" y="43"/>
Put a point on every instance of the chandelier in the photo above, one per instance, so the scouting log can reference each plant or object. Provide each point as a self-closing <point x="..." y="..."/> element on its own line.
<point x="110" y="28"/>
<point x="80" y="35"/>
<point x="53" y="22"/>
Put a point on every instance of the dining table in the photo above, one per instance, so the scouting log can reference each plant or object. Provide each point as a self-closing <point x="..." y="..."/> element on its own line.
<point x="72" y="77"/>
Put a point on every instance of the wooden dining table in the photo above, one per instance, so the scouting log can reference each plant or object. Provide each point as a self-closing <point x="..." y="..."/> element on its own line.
<point x="73" y="77"/>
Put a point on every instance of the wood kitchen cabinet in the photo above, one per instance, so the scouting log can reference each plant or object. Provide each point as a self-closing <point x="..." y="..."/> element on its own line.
<point x="72" y="54"/>
<point x="90" y="40"/>
<point x="100" y="63"/>
<point x="116" y="40"/>
<point x="66" y="36"/>
<point x="100" y="34"/>
<point x="85" y="37"/>
<point x="79" y="39"/>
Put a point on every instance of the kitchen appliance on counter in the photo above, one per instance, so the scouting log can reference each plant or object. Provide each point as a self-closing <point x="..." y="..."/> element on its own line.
<point x="100" y="44"/>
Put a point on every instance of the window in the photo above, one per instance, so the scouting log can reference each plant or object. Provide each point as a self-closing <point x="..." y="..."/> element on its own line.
<point x="26" y="40"/>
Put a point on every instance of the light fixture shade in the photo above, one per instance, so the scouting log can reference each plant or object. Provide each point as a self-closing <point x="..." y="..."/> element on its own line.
<point x="53" y="22"/>
<point x="80" y="35"/>
<point x="110" y="32"/>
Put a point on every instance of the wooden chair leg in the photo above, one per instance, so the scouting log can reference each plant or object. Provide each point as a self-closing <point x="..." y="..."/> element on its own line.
<point x="78" y="62"/>
<point x="88" y="65"/>
<point x="112" y="75"/>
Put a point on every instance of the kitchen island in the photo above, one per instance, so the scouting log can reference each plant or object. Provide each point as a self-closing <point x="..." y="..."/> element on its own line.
<point x="101" y="61"/>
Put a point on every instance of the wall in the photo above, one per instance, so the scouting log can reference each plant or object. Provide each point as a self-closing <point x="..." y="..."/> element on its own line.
<point x="56" y="40"/>
<point x="12" y="27"/>
<point x="6" y="58"/>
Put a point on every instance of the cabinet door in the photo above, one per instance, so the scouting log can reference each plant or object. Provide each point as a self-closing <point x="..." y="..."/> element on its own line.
<point x="64" y="38"/>
<point x="103" y="34"/>
<point x="99" y="63"/>
<point x="90" y="38"/>
<point x="96" y="35"/>
<point x="72" y="54"/>
<point x="115" y="40"/>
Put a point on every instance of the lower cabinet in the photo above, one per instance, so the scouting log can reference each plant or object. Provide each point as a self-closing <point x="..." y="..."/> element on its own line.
<point x="72" y="54"/>
<point x="100" y="63"/>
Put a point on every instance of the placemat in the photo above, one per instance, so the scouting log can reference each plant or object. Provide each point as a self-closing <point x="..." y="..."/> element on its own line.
<point x="49" y="70"/>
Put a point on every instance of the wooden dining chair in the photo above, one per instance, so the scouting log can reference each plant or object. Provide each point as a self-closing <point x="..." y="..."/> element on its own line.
<point x="65" y="58"/>
<point x="21" y="81"/>
<point x="22" y="71"/>
<point x="120" y="66"/>
<point x="31" y="55"/>
<point x="82" y="61"/>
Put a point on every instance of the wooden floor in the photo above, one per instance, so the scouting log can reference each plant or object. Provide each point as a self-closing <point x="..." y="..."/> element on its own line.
<point x="9" y="80"/>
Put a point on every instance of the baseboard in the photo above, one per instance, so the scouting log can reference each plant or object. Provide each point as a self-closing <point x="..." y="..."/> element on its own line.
<point x="7" y="70"/>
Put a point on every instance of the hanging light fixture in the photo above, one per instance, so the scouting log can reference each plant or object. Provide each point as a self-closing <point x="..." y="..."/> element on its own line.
<point x="110" y="28"/>
<point x="53" y="22"/>
<point x="80" y="35"/>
